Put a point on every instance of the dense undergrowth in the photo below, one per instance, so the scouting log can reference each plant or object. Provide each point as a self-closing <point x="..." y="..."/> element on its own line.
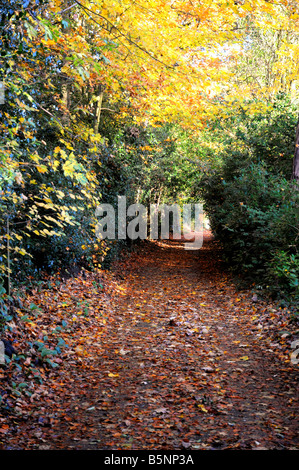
<point x="253" y="204"/>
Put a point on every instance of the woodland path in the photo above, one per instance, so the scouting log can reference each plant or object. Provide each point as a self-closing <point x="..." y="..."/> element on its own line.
<point x="183" y="364"/>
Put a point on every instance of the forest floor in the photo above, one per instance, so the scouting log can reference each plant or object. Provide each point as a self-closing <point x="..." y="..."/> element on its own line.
<point x="161" y="353"/>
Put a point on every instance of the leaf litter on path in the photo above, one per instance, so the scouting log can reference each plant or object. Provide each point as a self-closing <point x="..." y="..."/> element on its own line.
<point x="168" y="355"/>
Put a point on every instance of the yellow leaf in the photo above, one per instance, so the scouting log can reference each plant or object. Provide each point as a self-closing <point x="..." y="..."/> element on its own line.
<point x="244" y="358"/>
<point x="113" y="375"/>
<point x="202" y="408"/>
<point x="35" y="157"/>
<point x="69" y="168"/>
<point x="55" y="165"/>
<point x="42" y="168"/>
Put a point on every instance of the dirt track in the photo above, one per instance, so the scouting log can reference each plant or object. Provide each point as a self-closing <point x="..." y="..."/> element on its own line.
<point x="183" y="365"/>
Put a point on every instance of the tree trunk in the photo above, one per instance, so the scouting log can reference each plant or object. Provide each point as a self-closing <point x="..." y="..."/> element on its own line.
<point x="7" y="283"/>
<point x="97" y="110"/>
<point x="65" y="81"/>
<point x="295" y="174"/>
<point x="66" y="99"/>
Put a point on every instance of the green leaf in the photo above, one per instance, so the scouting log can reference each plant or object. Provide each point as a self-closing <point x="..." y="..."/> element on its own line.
<point x="48" y="352"/>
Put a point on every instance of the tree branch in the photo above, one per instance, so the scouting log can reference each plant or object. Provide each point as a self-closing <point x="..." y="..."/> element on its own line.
<point x="124" y="35"/>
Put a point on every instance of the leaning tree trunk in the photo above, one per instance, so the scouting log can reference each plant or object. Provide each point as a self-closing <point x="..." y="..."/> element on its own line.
<point x="98" y="109"/>
<point x="295" y="174"/>
<point x="66" y="101"/>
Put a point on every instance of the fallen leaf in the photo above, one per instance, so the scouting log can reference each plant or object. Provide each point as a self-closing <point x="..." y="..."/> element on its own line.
<point x="202" y="408"/>
<point x="161" y="410"/>
<point x="4" y="429"/>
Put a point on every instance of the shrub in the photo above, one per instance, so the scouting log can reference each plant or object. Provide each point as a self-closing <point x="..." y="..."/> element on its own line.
<point x="283" y="273"/>
<point x="254" y="214"/>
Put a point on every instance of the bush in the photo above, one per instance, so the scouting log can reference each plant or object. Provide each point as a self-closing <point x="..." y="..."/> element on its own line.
<point x="283" y="273"/>
<point x="251" y="202"/>
<point x="254" y="214"/>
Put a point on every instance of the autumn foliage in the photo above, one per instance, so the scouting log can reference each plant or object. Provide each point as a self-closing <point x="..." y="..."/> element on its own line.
<point x="162" y="102"/>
